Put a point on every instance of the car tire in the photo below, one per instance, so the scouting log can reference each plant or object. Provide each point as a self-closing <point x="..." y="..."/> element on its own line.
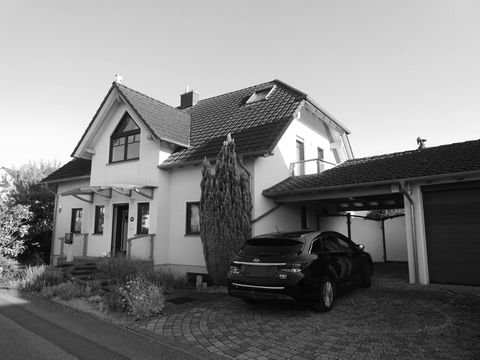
<point x="366" y="277"/>
<point x="327" y="294"/>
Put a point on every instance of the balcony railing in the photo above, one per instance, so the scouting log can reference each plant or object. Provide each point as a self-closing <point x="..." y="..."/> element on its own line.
<point x="308" y="167"/>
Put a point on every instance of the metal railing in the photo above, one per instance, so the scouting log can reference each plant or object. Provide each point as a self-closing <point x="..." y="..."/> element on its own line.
<point x="140" y="236"/>
<point x="310" y="166"/>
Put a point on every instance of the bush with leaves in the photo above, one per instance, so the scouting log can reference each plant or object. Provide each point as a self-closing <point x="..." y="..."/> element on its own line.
<point x="13" y="228"/>
<point x="139" y="297"/>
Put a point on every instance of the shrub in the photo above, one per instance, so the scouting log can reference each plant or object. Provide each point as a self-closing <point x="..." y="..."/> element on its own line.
<point x="168" y="279"/>
<point x="122" y="269"/>
<point x="8" y="269"/>
<point x="138" y="296"/>
<point x="66" y="291"/>
<point x="36" y="278"/>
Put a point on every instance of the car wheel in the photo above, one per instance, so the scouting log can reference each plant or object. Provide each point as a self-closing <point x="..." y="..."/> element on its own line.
<point x="366" y="278"/>
<point x="327" y="295"/>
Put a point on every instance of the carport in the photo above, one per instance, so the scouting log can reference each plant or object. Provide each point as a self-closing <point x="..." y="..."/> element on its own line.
<point x="438" y="187"/>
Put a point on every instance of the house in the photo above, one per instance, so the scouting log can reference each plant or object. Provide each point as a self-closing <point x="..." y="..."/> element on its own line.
<point x="439" y="188"/>
<point x="133" y="185"/>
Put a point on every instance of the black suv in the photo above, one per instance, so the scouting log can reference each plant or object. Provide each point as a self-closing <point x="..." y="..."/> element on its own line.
<point x="298" y="266"/>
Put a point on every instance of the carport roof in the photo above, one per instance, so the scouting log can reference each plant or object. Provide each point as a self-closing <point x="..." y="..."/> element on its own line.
<point x="441" y="160"/>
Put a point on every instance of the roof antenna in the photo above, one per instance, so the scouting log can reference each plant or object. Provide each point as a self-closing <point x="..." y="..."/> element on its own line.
<point x="276" y="227"/>
<point x="421" y="143"/>
<point x="118" y="78"/>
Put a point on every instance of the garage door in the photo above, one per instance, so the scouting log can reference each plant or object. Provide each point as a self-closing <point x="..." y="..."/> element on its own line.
<point x="452" y="224"/>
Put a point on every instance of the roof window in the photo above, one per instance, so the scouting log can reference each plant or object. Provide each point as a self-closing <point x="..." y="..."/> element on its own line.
<point x="260" y="95"/>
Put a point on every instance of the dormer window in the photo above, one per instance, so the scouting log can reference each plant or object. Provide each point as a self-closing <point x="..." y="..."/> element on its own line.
<point x="260" y="95"/>
<point x="125" y="141"/>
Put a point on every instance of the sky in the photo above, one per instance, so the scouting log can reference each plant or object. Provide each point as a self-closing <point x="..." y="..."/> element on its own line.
<point x="390" y="71"/>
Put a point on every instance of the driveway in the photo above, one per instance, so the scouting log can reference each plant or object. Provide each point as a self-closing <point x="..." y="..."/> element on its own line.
<point x="392" y="320"/>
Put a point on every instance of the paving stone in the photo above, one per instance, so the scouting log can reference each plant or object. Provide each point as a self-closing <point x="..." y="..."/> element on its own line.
<point x="391" y="320"/>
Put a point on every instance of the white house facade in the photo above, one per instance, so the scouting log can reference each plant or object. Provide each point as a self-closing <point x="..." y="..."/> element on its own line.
<point x="133" y="186"/>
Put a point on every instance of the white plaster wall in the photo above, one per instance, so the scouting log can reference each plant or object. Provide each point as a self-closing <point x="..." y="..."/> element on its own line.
<point x="369" y="233"/>
<point x="365" y="232"/>
<point x="184" y="187"/>
<point x="142" y="171"/>
<point x="64" y="213"/>
<point x="396" y="239"/>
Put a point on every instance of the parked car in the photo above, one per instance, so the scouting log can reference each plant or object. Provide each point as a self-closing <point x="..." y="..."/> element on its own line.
<point x="298" y="266"/>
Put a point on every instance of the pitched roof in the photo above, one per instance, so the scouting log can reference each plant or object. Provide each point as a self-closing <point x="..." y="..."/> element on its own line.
<point x="164" y="121"/>
<point x="75" y="168"/>
<point x="255" y="127"/>
<point x="440" y="160"/>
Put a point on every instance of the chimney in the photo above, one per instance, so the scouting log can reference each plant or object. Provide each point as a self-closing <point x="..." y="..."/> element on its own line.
<point x="188" y="99"/>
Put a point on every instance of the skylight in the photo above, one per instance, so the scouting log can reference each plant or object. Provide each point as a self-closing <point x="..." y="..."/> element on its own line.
<point x="261" y="94"/>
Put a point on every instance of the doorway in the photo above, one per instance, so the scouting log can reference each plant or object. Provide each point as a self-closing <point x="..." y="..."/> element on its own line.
<point x="120" y="229"/>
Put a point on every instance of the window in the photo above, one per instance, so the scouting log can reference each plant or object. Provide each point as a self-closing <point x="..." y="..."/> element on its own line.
<point x="300" y="168"/>
<point x="125" y="141"/>
<point x="193" y="218"/>
<point x="76" y="224"/>
<point x="261" y="94"/>
<point x="143" y="218"/>
<point x="99" y="219"/>
<point x="320" y="165"/>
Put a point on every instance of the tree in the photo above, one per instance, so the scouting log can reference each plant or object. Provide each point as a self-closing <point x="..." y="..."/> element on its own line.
<point x="225" y="211"/>
<point x="41" y="202"/>
<point x="13" y="228"/>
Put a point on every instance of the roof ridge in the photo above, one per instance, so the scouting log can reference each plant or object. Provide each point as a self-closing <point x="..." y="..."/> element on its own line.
<point x="382" y="156"/>
<point x="235" y="91"/>
<point x="144" y="95"/>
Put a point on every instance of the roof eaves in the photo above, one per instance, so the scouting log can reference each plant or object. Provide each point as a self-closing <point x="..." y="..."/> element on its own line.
<point x="273" y="194"/>
<point x="93" y="119"/>
<point x="175" y="164"/>
<point x="327" y="114"/>
<point x="75" y="178"/>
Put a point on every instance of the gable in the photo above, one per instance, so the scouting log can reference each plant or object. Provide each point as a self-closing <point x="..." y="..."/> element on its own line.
<point x="162" y="121"/>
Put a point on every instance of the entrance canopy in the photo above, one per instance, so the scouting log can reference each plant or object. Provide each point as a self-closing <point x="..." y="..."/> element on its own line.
<point x="87" y="193"/>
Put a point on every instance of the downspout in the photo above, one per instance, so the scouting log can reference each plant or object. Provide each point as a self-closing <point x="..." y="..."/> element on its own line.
<point x="55" y="207"/>
<point x="414" y="233"/>
<point x="384" y="242"/>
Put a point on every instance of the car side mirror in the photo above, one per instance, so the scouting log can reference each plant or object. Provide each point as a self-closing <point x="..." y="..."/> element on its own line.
<point x="360" y="247"/>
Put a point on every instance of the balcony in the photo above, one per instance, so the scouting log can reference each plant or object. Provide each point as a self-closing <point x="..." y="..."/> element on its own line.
<point x="309" y="167"/>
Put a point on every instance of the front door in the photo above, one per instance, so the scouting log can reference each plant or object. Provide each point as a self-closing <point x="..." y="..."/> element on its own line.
<point x="120" y="229"/>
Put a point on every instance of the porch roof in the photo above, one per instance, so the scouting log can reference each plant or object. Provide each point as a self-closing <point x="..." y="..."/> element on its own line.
<point x="458" y="160"/>
<point x="86" y="193"/>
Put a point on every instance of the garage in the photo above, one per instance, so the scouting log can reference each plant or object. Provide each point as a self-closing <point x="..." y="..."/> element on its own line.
<point x="452" y="227"/>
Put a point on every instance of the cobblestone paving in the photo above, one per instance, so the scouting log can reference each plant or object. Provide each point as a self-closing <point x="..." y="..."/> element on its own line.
<point x="388" y="321"/>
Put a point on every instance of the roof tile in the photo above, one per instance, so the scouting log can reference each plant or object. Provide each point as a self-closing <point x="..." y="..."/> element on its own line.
<point x="73" y="169"/>
<point x="439" y="160"/>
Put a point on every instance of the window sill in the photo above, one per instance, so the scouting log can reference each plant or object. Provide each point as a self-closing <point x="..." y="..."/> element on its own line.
<point x="122" y="161"/>
<point x="97" y="233"/>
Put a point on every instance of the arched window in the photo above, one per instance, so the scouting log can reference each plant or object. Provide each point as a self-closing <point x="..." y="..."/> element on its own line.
<point x="125" y="141"/>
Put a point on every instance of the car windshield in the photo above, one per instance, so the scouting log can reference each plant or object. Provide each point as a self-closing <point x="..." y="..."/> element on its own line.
<point x="271" y="247"/>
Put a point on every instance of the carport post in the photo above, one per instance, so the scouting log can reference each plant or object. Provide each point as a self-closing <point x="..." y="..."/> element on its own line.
<point x="413" y="234"/>
<point x="349" y="225"/>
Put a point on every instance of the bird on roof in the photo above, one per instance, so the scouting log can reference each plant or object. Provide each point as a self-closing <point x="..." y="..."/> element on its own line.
<point x="421" y="143"/>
